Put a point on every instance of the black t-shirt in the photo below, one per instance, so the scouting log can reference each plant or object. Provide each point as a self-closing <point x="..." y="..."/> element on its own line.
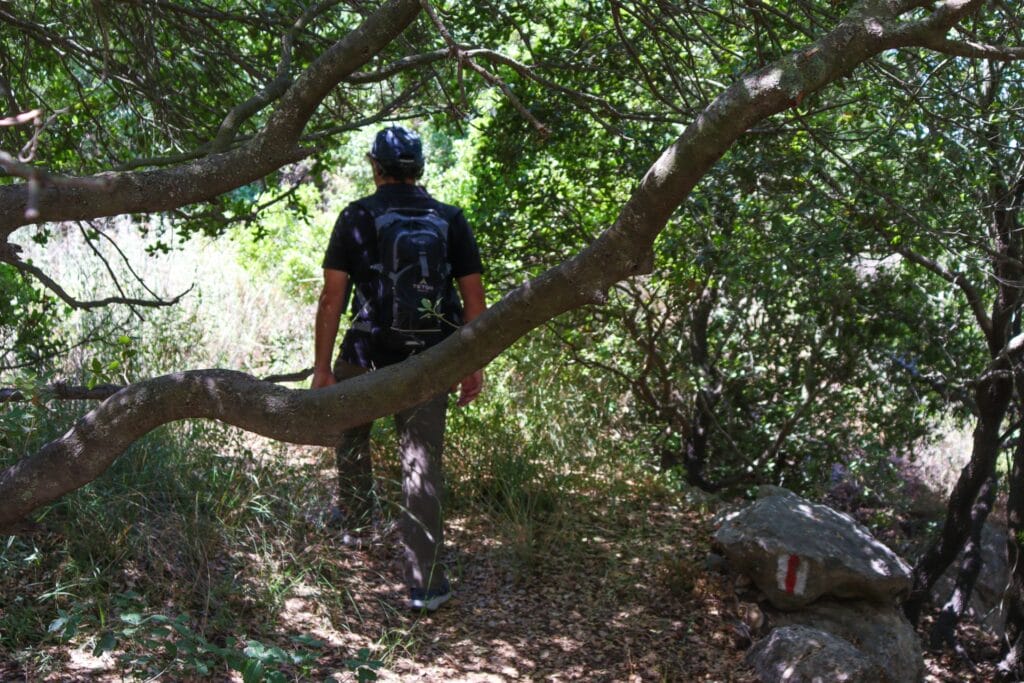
<point x="353" y="249"/>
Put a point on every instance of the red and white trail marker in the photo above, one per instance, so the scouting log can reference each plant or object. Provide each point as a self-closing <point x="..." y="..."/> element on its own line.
<point x="792" y="574"/>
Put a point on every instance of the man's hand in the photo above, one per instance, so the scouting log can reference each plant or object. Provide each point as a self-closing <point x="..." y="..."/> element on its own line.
<point x="471" y="289"/>
<point x="470" y="388"/>
<point x="328" y="314"/>
<point x="322" y="378"/>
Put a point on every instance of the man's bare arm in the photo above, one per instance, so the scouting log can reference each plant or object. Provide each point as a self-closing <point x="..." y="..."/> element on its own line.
<point x="328" y="313"/>
<point x="471" y="288"/>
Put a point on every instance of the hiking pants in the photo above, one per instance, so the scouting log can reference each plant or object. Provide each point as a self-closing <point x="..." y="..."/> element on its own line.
<point x="420" y="442"/>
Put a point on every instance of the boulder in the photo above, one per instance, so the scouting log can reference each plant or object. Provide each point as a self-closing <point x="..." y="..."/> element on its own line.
<point x="796" y="551"/>
<point x="882" y="633"/>
<point x="798" y="654"/>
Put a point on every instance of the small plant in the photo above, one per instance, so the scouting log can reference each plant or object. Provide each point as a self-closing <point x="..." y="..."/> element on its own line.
<point x="115" y="366"/>
<point x="157" y="642"/>
<point x="432" y="310"/>
<point x="363" y="666"/>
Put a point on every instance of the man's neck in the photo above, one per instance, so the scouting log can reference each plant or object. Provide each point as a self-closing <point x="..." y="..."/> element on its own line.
<point x="393" y="181"/>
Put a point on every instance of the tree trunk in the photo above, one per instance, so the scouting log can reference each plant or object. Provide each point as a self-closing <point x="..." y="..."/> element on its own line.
<point x="695" y="447"/>
<point x="1012" y="664"/>
<point x="944" y="630"/>
<point x="993" y="399"/>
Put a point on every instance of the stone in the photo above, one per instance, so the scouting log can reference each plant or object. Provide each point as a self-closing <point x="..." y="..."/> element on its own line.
<point x="769" y="490"/>
<point x="882" y="633"/>
<point x="796" y="552"/>
<point x="798" y="654"/>
<point x="715" y="563"/>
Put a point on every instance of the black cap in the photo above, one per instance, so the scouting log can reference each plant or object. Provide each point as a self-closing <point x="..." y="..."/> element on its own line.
<point x="399" y="152"/>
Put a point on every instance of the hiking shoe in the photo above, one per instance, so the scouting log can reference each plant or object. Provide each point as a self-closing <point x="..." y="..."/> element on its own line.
<point x="421" y="600"/>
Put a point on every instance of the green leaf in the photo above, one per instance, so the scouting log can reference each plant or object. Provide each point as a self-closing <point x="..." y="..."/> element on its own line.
<point x="308" y="641"/>
<point x="106" y="643"/>
<point x="252" y="671"/>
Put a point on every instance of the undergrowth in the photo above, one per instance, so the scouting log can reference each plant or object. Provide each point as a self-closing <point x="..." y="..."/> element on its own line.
<point x="181" y="560"/>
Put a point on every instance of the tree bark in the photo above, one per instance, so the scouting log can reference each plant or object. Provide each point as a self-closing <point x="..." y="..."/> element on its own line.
<point x="944" y="630"/>
<point x="995" y="387"/>
<point x="695" y="445"/>
<point x="319" y="417"/>
<point x="1012" y="664"/>
<point x="276" y="145"/>
<point x="993" y="398"/>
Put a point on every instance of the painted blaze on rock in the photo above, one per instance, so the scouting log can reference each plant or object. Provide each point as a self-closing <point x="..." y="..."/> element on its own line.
<point x="796" y="551"/>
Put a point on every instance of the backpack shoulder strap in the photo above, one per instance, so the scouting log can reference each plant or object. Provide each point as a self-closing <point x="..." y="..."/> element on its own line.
<point x="370" y="205"/>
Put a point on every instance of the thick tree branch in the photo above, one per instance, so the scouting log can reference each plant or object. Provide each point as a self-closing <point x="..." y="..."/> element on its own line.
<point x="63" y="391"/>
<point x="203" y="179"/>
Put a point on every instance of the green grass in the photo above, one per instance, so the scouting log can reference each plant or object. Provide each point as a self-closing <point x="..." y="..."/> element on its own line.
<point x="176" y="522"/>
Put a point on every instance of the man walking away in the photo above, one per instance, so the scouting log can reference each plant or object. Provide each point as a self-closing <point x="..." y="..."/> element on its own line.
<point x="413" y="270"/>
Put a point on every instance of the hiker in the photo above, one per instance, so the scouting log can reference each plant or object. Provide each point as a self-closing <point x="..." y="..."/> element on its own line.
<point x="393" y="251"/>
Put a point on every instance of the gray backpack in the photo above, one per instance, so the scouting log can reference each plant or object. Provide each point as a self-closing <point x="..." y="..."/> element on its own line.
<point x="404" y="303"/>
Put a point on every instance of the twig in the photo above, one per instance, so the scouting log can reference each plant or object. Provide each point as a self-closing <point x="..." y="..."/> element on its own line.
<point x="124" y="257"/>
<point x="296" y="376"/>
<point x="20" y="169"/>
<point x="61" y="391"/>
<point x="21" y="119"/>
<point x="106" y="265"/>
<point x="974" y="298"/>
<point x="43" y="278"/>
<point x="274" y="90"/>
<point x="461" y="54"/>
<point x="32" y="205"/>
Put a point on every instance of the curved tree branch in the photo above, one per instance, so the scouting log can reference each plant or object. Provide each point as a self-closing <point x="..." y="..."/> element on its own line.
<point x="974" y="50"/>
<point x="273" y="90"/>
<point x="464" y="59"/>
<point x="404" y="64"/>
<point x="205" y="178"/>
